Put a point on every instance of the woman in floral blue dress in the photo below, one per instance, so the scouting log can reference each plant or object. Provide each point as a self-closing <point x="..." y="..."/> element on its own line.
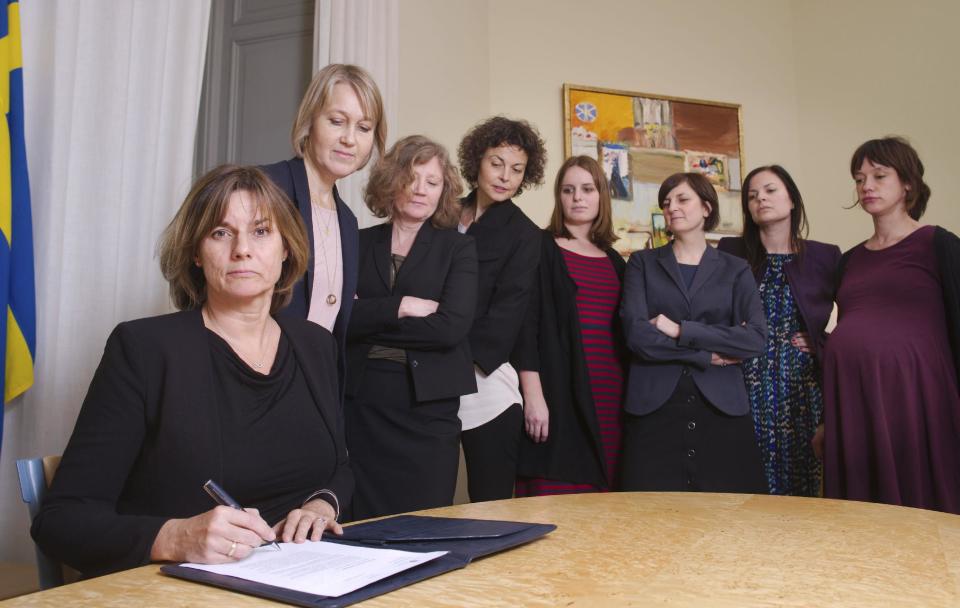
<point x="796" y="281"/>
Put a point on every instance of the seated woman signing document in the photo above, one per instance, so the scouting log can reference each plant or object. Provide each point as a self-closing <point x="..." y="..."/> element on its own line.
<point x="221" y="390"/>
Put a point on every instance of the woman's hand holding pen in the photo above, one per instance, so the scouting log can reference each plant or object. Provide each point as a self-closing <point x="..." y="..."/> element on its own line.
<point x="218" y="536"/>
<point x="308" y="522"/>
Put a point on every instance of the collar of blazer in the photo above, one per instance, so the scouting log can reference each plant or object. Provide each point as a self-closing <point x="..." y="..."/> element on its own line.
<point x="301" y="189"/>
<point x="708" y="265"/>
<point x="418" y="250"/>
<point x="496" y="215"/>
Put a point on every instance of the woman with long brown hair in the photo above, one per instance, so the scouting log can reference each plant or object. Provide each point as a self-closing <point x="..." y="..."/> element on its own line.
<point x="571" y="356"/>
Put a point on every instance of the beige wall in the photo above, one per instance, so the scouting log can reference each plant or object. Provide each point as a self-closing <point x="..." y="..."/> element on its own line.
<point x="444" y="68"/>
<point x="865" y="70"/>
<point x="815" y="78"/>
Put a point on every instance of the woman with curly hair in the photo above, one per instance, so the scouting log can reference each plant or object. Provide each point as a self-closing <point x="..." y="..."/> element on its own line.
<point x="407" y="350"/>
<point x="499" y="158"/>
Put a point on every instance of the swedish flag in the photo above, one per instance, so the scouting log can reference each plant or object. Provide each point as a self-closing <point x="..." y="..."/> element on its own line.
<point x="18" y="325"/>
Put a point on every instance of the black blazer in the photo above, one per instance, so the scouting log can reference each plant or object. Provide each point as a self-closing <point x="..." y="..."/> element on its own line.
<point x="720" y="313"/>
<point x="812" y="278"/>
<point x="291" y="177"/>
<point x="551" y="344"/>
<point x="508" y="251"/>
<point x="148" y="436"/>
<point x="441" y="266"/>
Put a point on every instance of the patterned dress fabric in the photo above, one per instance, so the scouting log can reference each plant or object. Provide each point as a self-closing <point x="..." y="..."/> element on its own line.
<point x="598" y="296"/>
<point x="784" y="391"/>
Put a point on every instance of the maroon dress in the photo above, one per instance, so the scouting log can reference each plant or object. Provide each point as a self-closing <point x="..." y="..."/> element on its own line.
<point x="598" y="295"/>
<point x="891" y="405"/>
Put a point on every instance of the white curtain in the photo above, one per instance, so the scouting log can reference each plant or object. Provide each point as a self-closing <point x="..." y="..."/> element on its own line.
<point x="365" y="33"/>
<point x="112" y="95"/>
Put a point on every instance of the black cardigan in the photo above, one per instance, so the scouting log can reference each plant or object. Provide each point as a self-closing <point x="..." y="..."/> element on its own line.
<point x="148" y="437"/>
<point x="508" y="251"/>
<point x="550" y="343"/>
<point x="946" y="248"/>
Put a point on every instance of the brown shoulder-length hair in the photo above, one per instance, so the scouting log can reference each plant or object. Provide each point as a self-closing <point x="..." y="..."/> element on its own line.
<point x="204" y="209"/>
<point x="394" y="172"/>
<point x="318" y="94"/>
<point x="702" y="187"/>
<point x="756" y="254"/>
<point x="498" y="131"/>
<point x="896" y="153"/>
<point x="601" y="232"/>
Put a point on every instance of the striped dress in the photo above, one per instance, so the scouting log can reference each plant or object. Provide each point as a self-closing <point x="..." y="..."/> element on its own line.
<point x="598" y="296"/>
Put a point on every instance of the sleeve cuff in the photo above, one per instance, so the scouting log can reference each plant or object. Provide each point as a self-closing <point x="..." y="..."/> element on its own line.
<point x="330" y="497"/>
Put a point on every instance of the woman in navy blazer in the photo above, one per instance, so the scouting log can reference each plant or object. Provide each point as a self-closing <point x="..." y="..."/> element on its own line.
<point x="796" y="278"/>
<point x="339" y="122"/>
<point x="691" y="314"/>
<point x="407" y="349"/>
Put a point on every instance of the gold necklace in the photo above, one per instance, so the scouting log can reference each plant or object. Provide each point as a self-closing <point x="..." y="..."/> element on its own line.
<point x="331" y="298"/>
<point x="257" y="364"/>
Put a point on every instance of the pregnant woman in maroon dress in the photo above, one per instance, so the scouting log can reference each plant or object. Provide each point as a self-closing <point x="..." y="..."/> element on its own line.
<point x="892" y="408"/>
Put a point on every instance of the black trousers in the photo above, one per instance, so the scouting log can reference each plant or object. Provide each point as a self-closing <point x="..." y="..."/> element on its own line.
<point x="404" y="454"/>
<point x="689" y="445"/>
<point x="490" y="451"/>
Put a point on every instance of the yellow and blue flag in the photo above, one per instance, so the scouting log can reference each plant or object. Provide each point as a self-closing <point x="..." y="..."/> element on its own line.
<point x="18" y="327"/>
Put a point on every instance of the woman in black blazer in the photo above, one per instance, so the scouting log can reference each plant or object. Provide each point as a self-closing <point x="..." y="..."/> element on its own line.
<point x="222" y="390"/>
<point x="690" y="315"/>
<point x="570" y="355"/>
<point x="339" y="123"/>
<point x="797" y="278"/>
<point x="498" y="158"/>
<point x="408" y="357"/>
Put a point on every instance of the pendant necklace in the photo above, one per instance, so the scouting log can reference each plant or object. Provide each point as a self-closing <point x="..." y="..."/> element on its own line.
<point x="331" y="298"/>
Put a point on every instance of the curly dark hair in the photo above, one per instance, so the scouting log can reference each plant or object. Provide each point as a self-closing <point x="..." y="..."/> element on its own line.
<point x="495" y="132"/>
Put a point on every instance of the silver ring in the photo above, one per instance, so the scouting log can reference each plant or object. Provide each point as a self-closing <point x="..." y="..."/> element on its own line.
<point x="233" y="547"/>
<point x="723" y="364"/>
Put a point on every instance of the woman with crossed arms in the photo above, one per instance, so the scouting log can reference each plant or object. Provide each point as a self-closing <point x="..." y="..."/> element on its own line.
<point x="690" y="315"/>
<point x="408" y="356"/>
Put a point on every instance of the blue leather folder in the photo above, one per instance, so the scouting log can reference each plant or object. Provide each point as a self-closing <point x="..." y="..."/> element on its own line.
<point x="465" y="539"/>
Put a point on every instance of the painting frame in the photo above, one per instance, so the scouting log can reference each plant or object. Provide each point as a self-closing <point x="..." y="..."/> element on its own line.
<point x="664" y="134"/>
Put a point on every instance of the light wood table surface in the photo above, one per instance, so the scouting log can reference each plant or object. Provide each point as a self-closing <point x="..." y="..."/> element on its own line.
<point x="644" y="549"/>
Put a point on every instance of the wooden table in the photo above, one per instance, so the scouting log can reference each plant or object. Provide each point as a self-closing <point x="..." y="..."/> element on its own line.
<point x="649" y="548"/>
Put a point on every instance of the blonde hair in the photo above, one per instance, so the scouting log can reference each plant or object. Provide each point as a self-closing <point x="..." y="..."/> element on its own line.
<point x="319" y="93"/>
<point x="204" y="209"/>
<point x="394" y="172"/>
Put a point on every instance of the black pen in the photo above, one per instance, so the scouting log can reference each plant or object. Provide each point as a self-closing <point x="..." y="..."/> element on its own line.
<point x="220" y="496"/>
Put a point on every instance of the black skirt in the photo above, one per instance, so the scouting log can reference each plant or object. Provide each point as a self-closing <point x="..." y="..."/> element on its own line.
<point x="689" y="445"/>
<point x="404" y="454"/>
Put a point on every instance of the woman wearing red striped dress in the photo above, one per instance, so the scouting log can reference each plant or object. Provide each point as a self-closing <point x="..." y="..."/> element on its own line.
<point x="569" y="353"/>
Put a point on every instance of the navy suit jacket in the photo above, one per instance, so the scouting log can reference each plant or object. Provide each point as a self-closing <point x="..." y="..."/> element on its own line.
<point x="291" y="177"/>
<point x="812" y="278"/>
<point x="720" y="313"/>
<point x="441" y="266"/>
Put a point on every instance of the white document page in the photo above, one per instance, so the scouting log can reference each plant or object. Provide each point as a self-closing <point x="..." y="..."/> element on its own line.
<point x="320" y="568"/>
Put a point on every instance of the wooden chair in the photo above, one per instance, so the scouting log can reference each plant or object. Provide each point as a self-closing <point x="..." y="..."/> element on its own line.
<point x="35" y="476"/>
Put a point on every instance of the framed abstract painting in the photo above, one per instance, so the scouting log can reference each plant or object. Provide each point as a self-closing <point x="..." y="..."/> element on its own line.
<point x="640" y="139"/>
